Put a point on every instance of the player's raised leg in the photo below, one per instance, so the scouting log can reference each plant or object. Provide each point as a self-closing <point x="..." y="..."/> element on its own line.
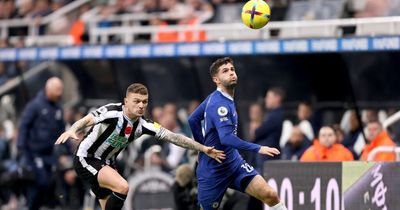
<point x="111" y="179"/>
<point x="260" y="189"/>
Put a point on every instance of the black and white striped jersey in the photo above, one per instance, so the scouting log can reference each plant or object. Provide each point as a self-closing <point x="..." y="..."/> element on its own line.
<point x="113" y="131"/>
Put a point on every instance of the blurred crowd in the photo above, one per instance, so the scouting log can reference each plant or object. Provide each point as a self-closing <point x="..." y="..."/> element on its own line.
<point x="301" y="134"/>
<point x="171" y="12"/>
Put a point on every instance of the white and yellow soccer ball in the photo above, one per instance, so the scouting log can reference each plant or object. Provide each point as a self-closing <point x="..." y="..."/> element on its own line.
<point x="256" y="14"/>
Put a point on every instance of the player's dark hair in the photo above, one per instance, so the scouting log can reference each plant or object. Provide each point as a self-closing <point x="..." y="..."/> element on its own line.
<point x="218" y="63"/>
<point x="137" y="88"/>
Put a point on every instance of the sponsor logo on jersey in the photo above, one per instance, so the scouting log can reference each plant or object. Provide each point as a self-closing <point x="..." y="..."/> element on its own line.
<point x="117" y="141"/>
<point x="222" y="111"/>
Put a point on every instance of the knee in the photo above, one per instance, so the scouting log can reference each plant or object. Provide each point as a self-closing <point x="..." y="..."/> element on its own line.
<point x="270" y="197"/>
<point x="123" y="188"/>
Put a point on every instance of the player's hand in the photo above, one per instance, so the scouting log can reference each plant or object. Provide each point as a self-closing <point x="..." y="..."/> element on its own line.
<point x="269" y="151"/>
<point x="218" y="155"/>
<point x="65" y="136"/>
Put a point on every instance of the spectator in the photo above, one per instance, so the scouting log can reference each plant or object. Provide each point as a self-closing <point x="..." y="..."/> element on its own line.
<point x="304" y="115"/>
<point x="326" y="148"/>
<point x="374" y="8"/>
<point x="157" y="113"/>
<point x="268" y="134"/>
<point x="175" y="153"/>
<point x="377" y="137"/>
<point x="183" y="189"/>
<point x="3" y="73"/>
<point x="255" y="118"/>
<point x="296" y="145"/>
<point x="354" y="139"/>
<point x="41" y="124"/>
<point x="340" y="137"/>
<point x="25" y="9"/>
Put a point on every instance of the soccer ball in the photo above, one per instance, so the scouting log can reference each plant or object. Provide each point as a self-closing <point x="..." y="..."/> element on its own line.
<point x="255" y="14"/>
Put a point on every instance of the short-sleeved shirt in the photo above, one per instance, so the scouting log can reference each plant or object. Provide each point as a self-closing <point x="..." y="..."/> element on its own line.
<point x="113" y="131"/>
<point x="219" y="116"/>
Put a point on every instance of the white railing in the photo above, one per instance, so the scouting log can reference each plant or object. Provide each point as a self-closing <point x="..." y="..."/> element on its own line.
<point x="16" y="81"/>
<point x="128" y="31"/>
<point x="384" y="149"/>
<point x="234" y="31"/>
<point x="391" y="120"/>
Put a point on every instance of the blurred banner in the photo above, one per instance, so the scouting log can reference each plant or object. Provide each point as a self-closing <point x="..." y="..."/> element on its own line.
<point x="231" y="48"/>
<point x="335" y="185"/>
<point x="149" y="191"/>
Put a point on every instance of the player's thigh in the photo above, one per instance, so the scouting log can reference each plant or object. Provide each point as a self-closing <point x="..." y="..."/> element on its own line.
<point x="261" y="190"/>
<point x="109" y="178"/>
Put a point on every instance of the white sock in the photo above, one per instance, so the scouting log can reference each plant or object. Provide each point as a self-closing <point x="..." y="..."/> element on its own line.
<point x="278" y="206"/>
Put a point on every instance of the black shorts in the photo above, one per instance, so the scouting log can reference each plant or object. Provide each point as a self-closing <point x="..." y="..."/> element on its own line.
<point x="87" y="169"/>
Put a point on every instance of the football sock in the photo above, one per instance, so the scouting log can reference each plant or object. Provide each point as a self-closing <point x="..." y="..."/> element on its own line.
<point x="278" y="206"/>
<point x="115" y="201"/>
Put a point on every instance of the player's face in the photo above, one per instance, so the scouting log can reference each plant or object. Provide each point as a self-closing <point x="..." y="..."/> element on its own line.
<point x="327" y="136"/>
<point x="136" y="104"/>
<point x="226" y="76"/>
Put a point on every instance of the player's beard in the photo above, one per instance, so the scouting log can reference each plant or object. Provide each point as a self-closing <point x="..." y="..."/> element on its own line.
<point x="230" y="84"/>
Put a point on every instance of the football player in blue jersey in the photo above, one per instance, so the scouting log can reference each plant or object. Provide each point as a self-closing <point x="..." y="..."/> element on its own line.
<point x="216" y="116"/>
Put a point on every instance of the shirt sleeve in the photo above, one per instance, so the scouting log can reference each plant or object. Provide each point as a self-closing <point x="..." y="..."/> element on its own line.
<point x="152" y="128"/>
<point x="223" y="119"/>
<point x="195" y="122"/>
<point x="106" y="112"/>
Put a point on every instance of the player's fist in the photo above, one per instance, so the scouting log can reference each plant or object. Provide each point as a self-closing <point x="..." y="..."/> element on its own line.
<point x="268" y="151"/>
<point x="65" y="136"/>
<point x="218" y="155"/>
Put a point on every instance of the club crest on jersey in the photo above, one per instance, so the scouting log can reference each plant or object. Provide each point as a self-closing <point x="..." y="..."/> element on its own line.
<point x="215" y="205"/>
<point x="128" y="130"/>
<point x="222" y="111"/>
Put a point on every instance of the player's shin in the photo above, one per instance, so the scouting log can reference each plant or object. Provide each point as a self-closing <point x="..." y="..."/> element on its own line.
<point x="115" y="201"/>
<point x="279" y="206"/>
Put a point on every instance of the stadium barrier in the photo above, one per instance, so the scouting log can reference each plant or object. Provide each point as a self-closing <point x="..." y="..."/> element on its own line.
<point x="231" y="48"/>
<point x="384" y="149"/>
<point x="335" y="185"/>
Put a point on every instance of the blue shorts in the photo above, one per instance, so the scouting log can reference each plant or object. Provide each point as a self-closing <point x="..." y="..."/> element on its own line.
<point x="211" y="191"/>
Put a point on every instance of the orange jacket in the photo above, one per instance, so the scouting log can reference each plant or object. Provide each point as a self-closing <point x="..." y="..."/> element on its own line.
<point x="77" y="30"/>
<point x="190" y="35"/>
<point x="318" y="152"/>
<point x="383" y="139"/>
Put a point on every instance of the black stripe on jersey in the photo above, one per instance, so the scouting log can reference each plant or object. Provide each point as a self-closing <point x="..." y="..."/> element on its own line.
<point x="103" y="137"/>
<point x="114" y="107"/>
<point x="135" y="125"/>
<point x="124" y="124"/>
<point x="106" y="152"/>
<point x="147" y="131"/>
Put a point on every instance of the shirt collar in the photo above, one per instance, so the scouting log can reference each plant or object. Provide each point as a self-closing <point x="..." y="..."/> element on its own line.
<point x="225" y="94"/>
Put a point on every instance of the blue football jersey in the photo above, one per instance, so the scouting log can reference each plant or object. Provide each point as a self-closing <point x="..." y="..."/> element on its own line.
<point x="219" y="130"/>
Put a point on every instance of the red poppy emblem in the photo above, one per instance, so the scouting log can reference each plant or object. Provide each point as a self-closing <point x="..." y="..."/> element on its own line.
<point x="128" y="130"/>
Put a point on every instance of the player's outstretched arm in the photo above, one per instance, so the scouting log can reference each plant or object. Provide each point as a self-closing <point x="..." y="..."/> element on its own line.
<point x="183" y="141"/>
<point x="268" y="151"/>
<point x="87" y="121"/>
